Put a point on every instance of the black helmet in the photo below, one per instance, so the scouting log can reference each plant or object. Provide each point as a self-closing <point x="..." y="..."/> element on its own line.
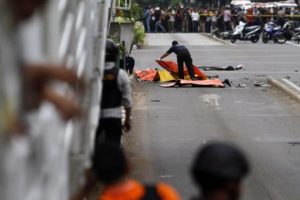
<point x="112" y="51"/>
<point x="174" y="43"/>
<point x="217" y="163"/>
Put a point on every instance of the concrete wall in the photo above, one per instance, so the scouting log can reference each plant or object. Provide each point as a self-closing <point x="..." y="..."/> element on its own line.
<point x="124" y="32"/>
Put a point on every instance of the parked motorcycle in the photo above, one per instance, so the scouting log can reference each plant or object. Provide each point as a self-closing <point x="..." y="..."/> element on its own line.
<point x="296" y="35"/>
<point x="270" y="29"/>
<point x="244" y="32"/>
<point x="224" y="35"/>
<point x="284" y="34"/>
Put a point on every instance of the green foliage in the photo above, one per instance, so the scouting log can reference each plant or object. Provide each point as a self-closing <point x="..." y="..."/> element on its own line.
<point x="135" y="13"/>
<point x="139" y="33"/>
<point x="173" y="3"/>
<point x="120" y="20"/>
<point x="144" y="3"/>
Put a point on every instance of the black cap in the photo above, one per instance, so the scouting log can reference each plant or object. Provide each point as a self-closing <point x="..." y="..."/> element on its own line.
<point x="112" y="51"/>
<point x="109" y="163"/>
<point x="174" y="43"/>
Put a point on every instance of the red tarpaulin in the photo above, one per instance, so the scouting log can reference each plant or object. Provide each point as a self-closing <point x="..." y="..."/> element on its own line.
<point x="173" y="68"/>
<point x="147" y="75"/>
<point x="204" y="83"/>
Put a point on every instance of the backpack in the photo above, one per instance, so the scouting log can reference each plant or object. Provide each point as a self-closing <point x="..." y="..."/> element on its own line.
<point x="129" y="64"/>
<point x="151" y="193"/>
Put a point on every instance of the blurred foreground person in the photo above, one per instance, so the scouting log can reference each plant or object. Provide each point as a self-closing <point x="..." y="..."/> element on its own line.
<point x="24" y="90"/>
<point x="111" y="168"/>
<point x="25" y="86"/>
<point x="218" y="171"/>
<point x="115" y="94"/>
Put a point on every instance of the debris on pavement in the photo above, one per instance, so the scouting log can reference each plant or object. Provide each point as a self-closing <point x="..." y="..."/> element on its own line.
<point x="242" y="85"/>
<point x="294" y="143"/>
<point x="261" y="85"/>
<point x="155" y="100"/>
<point x="220" y="68"/>
<point x="227" y="82"/>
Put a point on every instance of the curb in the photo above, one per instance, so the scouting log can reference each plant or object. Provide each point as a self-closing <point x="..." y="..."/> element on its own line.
<point x="208" y="35"/>
<point x="286" y="86"/>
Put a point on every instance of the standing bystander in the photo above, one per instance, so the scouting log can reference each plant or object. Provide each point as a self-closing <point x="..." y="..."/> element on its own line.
<point x="195" y="19"/>
<point x="227" y="19"/>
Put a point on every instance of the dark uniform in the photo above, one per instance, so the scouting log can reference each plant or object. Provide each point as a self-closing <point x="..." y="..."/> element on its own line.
<point x="183" y="56"/>
<point x="111" y="98"/>
<point x="116" y="92"/>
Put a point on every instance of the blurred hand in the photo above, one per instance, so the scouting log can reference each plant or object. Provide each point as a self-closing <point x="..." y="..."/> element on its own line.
<point x="127" y="125"/>
<point x="43" y="74"/>
<point x="37" y="88"/>
<point x="66" y="107"/>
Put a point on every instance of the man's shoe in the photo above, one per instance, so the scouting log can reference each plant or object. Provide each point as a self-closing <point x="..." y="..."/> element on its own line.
<point x="227" y="82"/>
<point x="178" y="84"/>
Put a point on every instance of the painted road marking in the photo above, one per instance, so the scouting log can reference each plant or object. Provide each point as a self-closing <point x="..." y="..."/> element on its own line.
<point x="212" y="100"/>
<point x="291" y="43"/>
<point x="166" y="176"/>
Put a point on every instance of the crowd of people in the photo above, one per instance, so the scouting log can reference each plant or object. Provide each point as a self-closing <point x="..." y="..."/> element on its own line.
<point x="193" y="19"/>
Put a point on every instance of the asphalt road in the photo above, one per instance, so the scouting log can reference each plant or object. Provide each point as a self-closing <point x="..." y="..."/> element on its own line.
<point x="171" y="124"/>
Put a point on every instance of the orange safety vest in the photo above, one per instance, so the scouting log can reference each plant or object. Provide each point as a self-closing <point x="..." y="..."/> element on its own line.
<point x="133" y="190"/>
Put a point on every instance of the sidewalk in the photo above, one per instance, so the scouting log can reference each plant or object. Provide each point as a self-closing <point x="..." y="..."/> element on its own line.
<point x="189" y="39"/>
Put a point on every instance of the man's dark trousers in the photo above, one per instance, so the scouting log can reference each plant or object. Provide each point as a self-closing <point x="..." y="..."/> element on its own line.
<point x="185" y="57"/>
<point x="111" y="130"/>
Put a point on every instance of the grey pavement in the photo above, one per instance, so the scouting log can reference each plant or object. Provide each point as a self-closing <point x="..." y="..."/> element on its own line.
<point x="259" y="59"/>
<point x="191" y="39"/>
<point x="170" y="124"/>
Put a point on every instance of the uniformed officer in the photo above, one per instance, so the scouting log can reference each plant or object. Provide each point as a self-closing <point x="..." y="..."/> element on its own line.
<point x="183" y="56"/>
<point x="115" y="94"/>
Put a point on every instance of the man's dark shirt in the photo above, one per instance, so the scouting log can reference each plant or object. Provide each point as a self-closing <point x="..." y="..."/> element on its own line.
<point x="178" y="49"/>
<point x="157" y="15"/>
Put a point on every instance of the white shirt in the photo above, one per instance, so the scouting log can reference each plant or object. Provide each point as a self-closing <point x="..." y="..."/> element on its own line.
<point x="195" y="16"/>
<point x="227" y="15"/>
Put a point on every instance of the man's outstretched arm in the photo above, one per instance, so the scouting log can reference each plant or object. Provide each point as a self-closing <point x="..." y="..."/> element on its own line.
<point x="165" y="55"/>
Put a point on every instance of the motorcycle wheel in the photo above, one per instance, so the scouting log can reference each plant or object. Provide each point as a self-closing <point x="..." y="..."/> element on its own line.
<point x="255" y="39"/>
<point x="281" y="39"/>
<point x="265" y="38"/>
<point x="233" y="39"/>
